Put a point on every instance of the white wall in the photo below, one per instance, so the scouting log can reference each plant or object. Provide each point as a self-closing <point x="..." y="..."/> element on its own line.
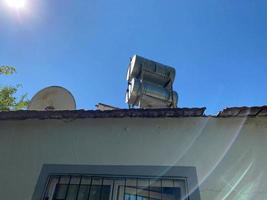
<point x="230" y="154"/>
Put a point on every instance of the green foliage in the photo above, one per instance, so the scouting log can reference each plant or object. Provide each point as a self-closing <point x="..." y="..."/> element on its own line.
<point x="7" y="70"/>
<point x="8" y="100"/>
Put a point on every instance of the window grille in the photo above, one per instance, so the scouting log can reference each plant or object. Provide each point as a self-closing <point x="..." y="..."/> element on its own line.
<point x="86" y="187"/>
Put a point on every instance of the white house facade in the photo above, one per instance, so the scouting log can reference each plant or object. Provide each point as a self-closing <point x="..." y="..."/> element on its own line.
<point x="160" y="154"/>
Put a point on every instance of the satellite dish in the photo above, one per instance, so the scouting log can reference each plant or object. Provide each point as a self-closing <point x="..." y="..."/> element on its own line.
<point x="53" y="98"/>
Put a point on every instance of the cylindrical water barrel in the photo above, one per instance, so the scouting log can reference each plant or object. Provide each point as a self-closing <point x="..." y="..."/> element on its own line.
<point x="148" y="70"/>
<point x="145" y="93"/>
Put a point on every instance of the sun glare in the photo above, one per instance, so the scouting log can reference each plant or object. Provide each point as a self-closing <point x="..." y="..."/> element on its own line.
<point x="17" y="4"/>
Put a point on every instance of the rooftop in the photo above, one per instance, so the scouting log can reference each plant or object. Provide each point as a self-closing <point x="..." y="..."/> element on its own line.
<point x="133" y="113"/>
<point x="244" y="111"/>
<point x="120" y="113"/>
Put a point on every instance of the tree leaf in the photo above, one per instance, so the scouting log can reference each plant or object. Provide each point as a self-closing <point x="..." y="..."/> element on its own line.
<point x="7" y="70"/>
<point x="8" y="100"/>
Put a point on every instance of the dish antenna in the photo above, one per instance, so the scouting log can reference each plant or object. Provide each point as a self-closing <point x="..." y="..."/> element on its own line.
<point x="150" y="84"/>
<point x="52" y="98"/>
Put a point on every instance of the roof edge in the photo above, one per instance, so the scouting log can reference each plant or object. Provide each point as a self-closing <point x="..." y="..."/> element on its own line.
<point x="120" y="113"/>
<point x="244" y="111"/>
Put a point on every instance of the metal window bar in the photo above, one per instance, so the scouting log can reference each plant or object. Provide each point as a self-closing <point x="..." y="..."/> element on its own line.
<point x="124" y="188"/>
<point x="79" y="186"/>
<point x="68" y="186"/>
<point x="101" y="189"/>
<point x="85" y="187"/>
<point x="136" y="189"/>
<point x="90" y="187"/>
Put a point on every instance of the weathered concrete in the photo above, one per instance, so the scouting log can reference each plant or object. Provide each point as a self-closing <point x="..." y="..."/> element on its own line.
<point x="228" y="153"/>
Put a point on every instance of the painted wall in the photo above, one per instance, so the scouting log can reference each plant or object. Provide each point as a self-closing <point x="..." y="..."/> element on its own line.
<point x="230" y="154"/>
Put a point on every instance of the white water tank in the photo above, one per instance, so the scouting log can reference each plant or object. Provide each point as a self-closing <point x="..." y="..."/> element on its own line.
<point x="150" y="84"/>
<point x="142" y="68"/>
<point x="147" y="95"/>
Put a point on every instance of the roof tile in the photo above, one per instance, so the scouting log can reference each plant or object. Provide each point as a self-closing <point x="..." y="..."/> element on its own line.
<point x="243" y="111"/>
<point x="120" y="113"/>
<point x="263" y="112"/>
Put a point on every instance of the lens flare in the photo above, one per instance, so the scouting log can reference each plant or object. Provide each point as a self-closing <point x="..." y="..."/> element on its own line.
<point x="17" y="4"/>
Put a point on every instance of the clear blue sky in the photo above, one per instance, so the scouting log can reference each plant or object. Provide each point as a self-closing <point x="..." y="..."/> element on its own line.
<point x="218" y="47"/>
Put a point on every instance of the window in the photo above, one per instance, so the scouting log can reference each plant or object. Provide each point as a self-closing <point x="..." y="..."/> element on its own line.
<point x="111" y="188"/>
<point x="113" y="183"/>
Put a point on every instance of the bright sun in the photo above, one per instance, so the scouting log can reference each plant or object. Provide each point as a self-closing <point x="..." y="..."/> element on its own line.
<point x="17" y="4"/>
